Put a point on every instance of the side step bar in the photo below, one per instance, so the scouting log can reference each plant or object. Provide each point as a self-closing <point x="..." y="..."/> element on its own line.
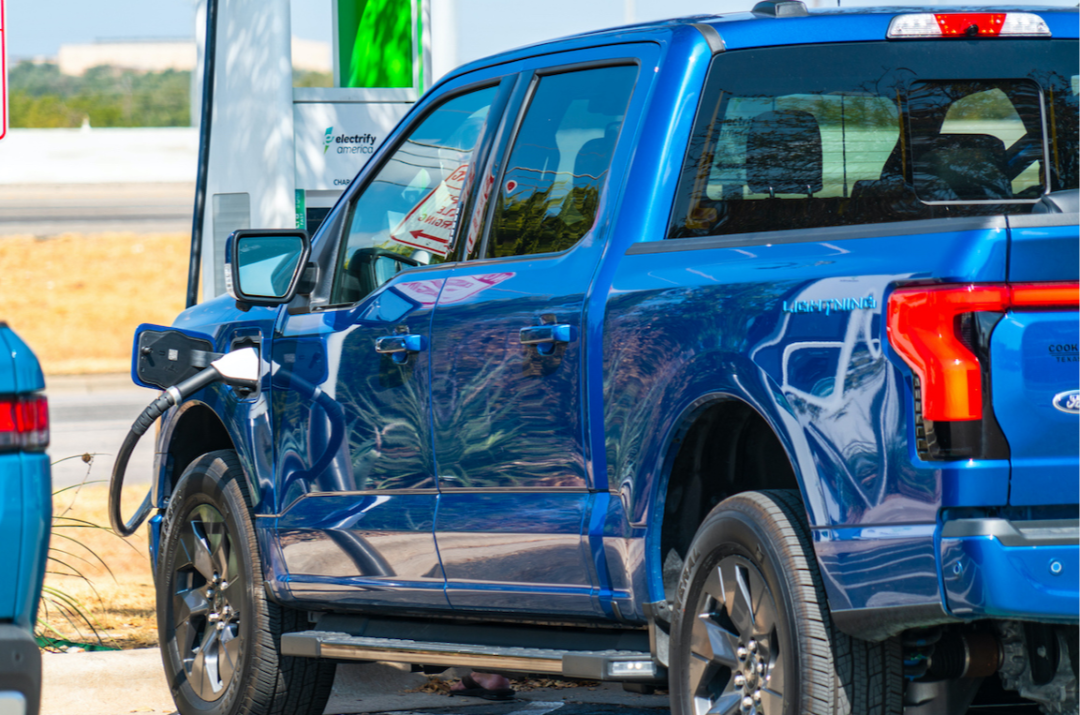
<point x="512" y="653"/>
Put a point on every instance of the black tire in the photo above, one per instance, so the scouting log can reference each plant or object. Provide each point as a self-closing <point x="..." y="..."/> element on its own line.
<point x="220" y="635"/>
<point x="751" y="631"/>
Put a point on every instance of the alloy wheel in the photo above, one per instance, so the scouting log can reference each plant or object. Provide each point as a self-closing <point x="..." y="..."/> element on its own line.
<point x="208" y="602"/>
<point x="736" y="666"/>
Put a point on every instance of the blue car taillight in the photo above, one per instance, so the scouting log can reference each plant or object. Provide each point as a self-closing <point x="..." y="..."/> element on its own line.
<point x="24" y="422"/>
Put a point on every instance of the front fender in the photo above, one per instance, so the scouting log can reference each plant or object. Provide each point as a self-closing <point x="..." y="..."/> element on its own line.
<point x="217" y="418"/>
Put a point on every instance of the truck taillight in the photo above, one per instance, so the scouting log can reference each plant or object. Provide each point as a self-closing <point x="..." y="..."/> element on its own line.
<point x="24" y="422"/>
<point x="924" y="329"/>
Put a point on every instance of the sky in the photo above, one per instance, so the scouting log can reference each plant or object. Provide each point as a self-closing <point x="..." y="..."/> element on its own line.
<point x="39" y="27"/>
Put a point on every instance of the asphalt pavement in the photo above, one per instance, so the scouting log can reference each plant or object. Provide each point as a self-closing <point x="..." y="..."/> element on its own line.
<point x="120" y="682"/>
<point x="52" y="209"/>
<point x="92" y="415"/>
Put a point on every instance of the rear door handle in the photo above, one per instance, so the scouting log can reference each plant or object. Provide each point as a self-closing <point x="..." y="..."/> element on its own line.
<point x="399" y="346"/>
<point x="544" y="337"/>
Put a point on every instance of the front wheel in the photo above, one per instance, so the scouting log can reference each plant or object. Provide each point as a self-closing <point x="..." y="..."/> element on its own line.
<point x="220" y="636"/>
<point x="752" y="634"/>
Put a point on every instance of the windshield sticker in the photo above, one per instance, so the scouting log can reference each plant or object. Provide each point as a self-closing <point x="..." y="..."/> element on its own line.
<point x="430" y="225"/>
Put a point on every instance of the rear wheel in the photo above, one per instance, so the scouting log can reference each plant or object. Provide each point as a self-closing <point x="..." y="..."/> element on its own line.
<point x="220" y="635"/>
<point x="752" y="633"/>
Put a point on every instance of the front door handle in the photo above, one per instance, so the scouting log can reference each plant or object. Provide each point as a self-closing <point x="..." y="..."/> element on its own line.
<point x="544" y="337"/>
<point x="399" y="346"/>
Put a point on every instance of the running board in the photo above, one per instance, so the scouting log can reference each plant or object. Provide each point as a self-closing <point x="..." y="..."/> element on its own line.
<point x="571" y="658"/>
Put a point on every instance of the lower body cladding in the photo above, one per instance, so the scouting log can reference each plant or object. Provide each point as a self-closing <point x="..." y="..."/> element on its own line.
<point x="587" y="653"/>
<point x="1012" y="590"/>
<point x="20" y="672"/>
<point x="1027" y="570"/>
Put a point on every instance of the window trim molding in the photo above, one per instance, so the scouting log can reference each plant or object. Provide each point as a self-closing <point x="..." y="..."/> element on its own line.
<point x="819" y="234"/>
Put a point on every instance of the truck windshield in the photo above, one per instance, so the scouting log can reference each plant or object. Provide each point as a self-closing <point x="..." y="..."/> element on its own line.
<point x="878" y="132"/>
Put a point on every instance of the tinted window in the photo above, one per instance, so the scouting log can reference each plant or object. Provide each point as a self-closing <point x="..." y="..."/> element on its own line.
<point x="407" y="214"/>
<point x="551" y="187"/>
<point x="871" y="133"/>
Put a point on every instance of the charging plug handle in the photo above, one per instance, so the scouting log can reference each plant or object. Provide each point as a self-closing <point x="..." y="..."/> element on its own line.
<point x="240" y="368"/>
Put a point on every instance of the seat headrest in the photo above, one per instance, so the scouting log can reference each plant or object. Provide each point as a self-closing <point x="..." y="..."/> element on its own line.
<point x="783" y="153"/>
<point x="594" y="157"/>
<point x="972" y="165"/>
<point x="981" y="147"/>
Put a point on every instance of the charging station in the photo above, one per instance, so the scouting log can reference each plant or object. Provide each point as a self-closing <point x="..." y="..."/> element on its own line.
<point x="277" y="156"/>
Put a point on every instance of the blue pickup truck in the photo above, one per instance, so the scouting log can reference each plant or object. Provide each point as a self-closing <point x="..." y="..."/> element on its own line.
<point x="25" y="518"/>
<point x="736" y="353"/>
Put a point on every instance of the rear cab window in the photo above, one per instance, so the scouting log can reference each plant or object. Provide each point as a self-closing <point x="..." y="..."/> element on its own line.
<point x="878" y="132"/>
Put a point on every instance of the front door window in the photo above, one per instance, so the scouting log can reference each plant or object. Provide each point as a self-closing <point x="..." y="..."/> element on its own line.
<point x="408" y="213"/>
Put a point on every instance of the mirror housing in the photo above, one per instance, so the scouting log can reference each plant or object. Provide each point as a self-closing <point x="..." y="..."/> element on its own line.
<point x="265" y="266"/>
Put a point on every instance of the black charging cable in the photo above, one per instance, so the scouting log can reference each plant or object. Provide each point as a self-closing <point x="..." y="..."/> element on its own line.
<point x="225" y="368"/>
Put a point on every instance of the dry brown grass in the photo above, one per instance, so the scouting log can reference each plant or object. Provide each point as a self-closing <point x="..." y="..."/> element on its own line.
<point x="120" y="604"/>
<point x="77" y="299"/>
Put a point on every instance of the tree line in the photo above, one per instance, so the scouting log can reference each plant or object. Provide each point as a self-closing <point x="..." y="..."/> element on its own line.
<point x="40" y="96"/>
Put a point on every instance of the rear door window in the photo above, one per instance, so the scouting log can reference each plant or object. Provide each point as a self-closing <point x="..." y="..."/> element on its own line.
<point x="550" y="191"/>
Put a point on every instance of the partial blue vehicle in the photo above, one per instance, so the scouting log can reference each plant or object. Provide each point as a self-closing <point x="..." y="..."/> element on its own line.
<point x="25" y="519"/>
<point x="736" y="353"/>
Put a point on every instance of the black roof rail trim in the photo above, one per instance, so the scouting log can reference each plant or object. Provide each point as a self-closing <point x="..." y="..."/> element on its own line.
<point x="716" y="42"/>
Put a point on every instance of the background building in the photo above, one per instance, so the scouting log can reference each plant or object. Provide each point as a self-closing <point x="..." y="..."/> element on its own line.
<point x="158" y="55"/>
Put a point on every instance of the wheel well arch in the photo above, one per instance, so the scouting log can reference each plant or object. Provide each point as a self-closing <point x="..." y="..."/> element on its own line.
<point x="195" y="431"/>
<point x="721" y="446"/>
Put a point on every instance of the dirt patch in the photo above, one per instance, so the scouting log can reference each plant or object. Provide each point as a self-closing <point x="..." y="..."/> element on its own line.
<point x="76" y="299"/>
<point x="117" y="593"/>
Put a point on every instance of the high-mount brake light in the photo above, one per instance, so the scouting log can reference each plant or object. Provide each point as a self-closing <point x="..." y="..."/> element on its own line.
<point x="24" y="422"/>
<point x="924" y="330"/>
<point x="967" y="24"/>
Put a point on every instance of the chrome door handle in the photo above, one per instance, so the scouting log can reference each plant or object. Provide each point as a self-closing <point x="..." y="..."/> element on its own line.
<point x="399" y="346"/>
<point x="544" y="337"/>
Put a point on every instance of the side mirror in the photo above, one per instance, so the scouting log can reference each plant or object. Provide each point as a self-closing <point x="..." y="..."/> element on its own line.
<point x="264" y="266"/>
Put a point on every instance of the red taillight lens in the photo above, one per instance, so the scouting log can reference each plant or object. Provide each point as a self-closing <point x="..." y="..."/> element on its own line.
<point x="922" y="326"/>
<point x="922" y="329"/>
<point x="24" y="422"/>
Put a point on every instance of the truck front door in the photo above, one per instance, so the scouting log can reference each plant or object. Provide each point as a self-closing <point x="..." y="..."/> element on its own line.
<point x="351" y="389"/>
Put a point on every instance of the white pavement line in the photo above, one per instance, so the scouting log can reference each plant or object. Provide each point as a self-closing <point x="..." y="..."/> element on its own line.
<point x="538" y="707"/>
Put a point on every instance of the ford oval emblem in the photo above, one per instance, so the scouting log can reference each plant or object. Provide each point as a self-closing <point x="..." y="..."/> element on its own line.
<point x="1068" y="401"/>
